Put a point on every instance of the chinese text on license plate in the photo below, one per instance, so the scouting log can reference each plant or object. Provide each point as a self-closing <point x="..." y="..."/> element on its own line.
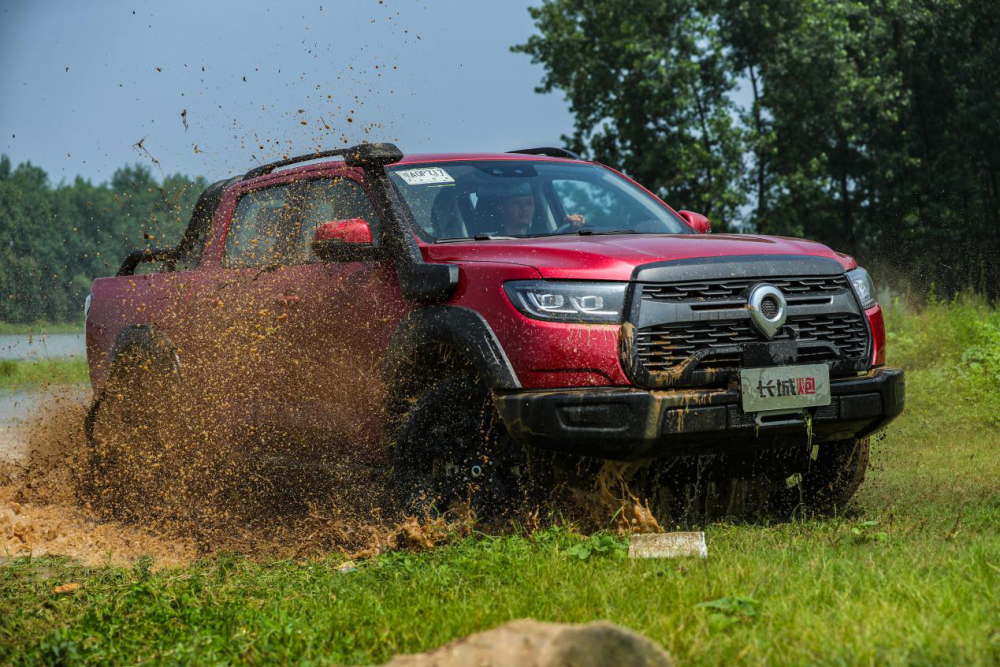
<point x="785" y="387"/>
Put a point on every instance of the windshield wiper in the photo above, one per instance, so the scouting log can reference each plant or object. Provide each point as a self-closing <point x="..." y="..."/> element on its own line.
<point x="477" y="237"/>
<point x="594" y="232"/>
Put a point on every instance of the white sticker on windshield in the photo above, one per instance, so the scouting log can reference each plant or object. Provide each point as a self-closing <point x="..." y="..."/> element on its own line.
<point x="425" y="176"/>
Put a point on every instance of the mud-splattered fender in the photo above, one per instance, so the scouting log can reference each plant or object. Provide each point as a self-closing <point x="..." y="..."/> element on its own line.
<point x="463" y="330"/>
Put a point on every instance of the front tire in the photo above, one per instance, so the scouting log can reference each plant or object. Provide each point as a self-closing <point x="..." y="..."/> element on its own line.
<point x="830" y="479"/>
<point x="452" y="449"/>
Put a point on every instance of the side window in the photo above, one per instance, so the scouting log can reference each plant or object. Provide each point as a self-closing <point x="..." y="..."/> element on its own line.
<point x="329" y="199"/>
<point x="263" y="228"/>
<point x="599" y="205"/>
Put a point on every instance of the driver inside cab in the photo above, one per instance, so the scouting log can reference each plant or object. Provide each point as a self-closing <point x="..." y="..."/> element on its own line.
<point x="517" y="211"/>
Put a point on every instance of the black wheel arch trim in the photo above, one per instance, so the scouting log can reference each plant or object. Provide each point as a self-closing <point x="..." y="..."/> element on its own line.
<point x="146" y="337"/>
<point x="460" y="328"/>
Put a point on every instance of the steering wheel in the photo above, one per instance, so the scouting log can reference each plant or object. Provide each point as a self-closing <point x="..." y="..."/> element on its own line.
<point x="569" y="226"/>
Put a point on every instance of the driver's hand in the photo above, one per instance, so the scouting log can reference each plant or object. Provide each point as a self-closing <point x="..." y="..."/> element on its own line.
<point x="577" y="220"/>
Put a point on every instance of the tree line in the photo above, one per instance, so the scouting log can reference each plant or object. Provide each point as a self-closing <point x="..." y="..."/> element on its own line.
<point x="872" y="126"/>
<point x="55" y="239"/>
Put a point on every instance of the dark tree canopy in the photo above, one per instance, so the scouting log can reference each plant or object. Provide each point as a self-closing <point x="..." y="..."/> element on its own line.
<point x="55" y="240"/>
<point x="872" y="126"/>
<point x="649" y="86"/>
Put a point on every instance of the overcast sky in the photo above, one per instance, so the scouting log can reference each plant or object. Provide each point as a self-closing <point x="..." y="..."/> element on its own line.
<point x="82" y="81"/>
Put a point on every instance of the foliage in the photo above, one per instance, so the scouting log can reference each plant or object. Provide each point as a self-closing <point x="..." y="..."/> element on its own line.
<point x="41" y="328"/>
<point x="867" y="531"/>
<point x="648" y="83"/>
<point x="602" y="544"/>
<point x="55" y="240"/>
<point x="41" y="373"/>
<point x="869" y="126"/>
<point x="728" y="611"/>
<point x="960" y="338"/>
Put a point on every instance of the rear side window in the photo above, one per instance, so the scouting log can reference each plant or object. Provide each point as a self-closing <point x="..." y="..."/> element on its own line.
<point x="277" y="225"/>
<point x="263" y="228"/>
<point x="328" y="199"/>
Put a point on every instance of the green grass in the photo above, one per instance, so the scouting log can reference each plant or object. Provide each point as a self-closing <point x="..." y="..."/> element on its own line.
<point x="910" y="577"/>
<point x="38" y="328"/>
<point x="43" y="372"/>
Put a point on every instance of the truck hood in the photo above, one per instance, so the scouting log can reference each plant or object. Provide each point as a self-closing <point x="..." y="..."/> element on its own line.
<point x="615" y="257"/>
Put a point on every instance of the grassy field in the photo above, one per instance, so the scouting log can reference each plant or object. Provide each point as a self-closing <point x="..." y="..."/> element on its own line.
<point x="38" y="328"/>
<point x="41" y="373"/>
<point x="909" y="576"/>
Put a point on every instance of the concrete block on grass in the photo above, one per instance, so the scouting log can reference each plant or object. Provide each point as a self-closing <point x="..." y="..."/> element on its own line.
<point x="667" y="545"/>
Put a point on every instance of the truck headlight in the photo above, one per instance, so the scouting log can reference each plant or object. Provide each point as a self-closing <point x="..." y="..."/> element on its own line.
<point x="863" y="287"/>
<point x="559" y="301"/>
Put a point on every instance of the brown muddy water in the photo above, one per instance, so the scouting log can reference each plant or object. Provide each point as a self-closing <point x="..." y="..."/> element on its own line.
<point x="189" y="508"/>
<point x="40" y="512"/>
<point x="45" y="508"/>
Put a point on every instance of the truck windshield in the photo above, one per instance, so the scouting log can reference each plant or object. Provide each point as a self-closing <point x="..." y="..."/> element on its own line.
<point x="483" y="200"/>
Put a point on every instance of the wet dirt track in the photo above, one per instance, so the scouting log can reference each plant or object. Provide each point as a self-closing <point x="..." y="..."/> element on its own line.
<point x="40" y="513"/>
<point x="44" y="509"/>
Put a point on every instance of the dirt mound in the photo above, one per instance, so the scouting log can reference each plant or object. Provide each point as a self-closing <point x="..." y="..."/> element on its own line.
<point x="528" y="643"/>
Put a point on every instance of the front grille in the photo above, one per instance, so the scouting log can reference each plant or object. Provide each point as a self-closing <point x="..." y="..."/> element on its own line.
<point x="726" y="289"/>
<point x="820" y="338"/>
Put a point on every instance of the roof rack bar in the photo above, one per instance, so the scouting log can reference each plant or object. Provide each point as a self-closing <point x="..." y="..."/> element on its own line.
<point x="268" y="168"/>
<point x="361" y="155"/>
<point x="549" y="151"/>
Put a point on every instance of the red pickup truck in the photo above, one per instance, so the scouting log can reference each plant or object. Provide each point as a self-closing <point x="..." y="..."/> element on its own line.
<point x="455" y="317"/>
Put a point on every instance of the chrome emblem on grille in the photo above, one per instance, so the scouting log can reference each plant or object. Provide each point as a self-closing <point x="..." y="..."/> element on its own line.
<point x="768" y="309"/>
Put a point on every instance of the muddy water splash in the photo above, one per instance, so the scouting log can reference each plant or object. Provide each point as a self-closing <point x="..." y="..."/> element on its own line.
<point x="249" y="447"/>
<point x="48" y="506"/>
<point x="40" y="512"/>
<point x="188" y="511"/>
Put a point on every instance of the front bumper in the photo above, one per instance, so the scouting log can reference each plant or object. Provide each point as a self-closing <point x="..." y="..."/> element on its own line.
<point x="627" y="424"/>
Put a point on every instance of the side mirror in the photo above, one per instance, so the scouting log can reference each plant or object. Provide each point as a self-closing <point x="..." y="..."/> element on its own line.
<point x="697" y="220"/>
<point x="344" y="240"/>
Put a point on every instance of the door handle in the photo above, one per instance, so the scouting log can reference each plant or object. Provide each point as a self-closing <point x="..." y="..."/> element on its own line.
<point x="288" y="299"/>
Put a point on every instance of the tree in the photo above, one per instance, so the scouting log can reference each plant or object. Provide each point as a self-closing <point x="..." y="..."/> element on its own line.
<point x="871" y="126"/>
<point x="648" y="83"/>
<point x="55" y="241"/>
